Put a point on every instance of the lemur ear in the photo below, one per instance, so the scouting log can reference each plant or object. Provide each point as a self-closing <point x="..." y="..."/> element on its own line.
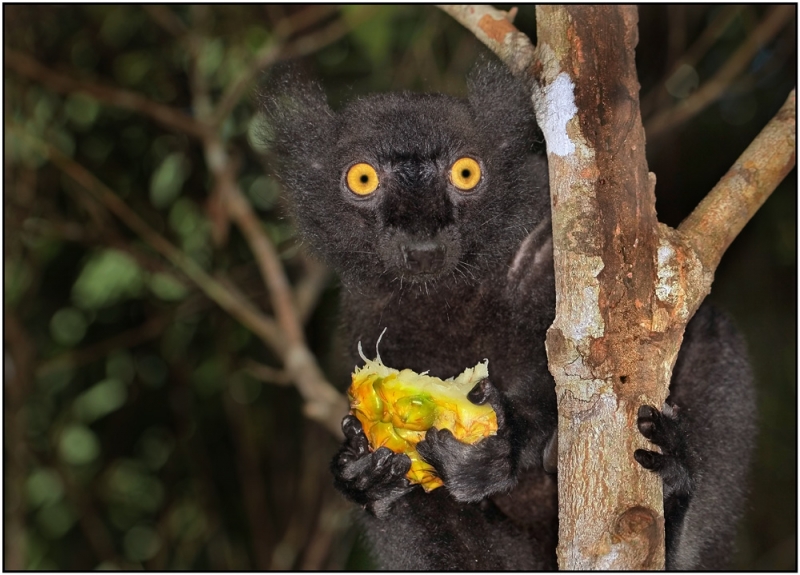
<point x="298" y="118"/>
<point x="502" y="104"/>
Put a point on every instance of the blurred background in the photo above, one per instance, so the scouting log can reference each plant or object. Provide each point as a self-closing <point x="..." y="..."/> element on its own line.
<point x="146" y="426"/>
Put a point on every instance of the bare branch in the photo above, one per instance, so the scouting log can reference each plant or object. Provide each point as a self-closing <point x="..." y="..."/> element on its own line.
<point x="269" y="55"/>
<point x="266" y="373"/>
<point x="710" y="34"/>
<point x="310" y="287"/>
<point x="17" y="385"/>
<point x="711" y="90"/>
<point x="93" y="527"/>
<point x="252" y="483"/>
<point x="323" y="402"/>
<point x="262" y="326"/>
<point x="294" y="23"/>
<point x="129" y="338"/>
<point x="172" y="118"/>
<point x="166" y="18"/>
<point x="494" y="28"/>
<point x="722" y="214"/>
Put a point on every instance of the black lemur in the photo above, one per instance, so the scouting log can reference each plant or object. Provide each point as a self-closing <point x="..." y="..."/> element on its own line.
<point x="434" y="211"/>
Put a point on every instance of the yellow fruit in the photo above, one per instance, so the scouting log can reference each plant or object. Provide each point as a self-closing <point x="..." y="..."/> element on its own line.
<point x="396" y="408"/>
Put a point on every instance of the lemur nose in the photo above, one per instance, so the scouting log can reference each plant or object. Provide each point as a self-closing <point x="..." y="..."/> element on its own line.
<point x="423" y="257"/>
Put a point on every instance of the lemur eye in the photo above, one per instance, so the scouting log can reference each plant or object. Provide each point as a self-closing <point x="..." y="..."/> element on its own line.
<point x="362" y="179"/>
<point x="465" y="174"/>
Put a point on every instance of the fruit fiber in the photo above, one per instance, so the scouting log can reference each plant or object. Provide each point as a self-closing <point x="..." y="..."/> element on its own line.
<point x="396" y="408"/>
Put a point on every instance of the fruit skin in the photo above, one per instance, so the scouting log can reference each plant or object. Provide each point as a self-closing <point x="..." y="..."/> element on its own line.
<point x="396" y="408"/>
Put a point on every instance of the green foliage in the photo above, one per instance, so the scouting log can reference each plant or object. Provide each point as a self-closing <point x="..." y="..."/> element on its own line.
<point x="167" y="287"/>
<point x="167" y="180"/>
<point x="81" y="109"/>
<point x="68" y="326"/>
<point x="78" y="445"/>
<point x="44" y="487"/>
<point x="100" y="399"/>
<point x="107" y="277"/>
<point x="140" y="432"/>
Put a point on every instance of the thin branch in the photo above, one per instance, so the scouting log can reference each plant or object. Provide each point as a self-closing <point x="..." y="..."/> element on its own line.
<point x="150" y="329"/>
<point x="127" y="339"/>
<point x="261" y="325"/>
<point x="252" y="483"/>
<point x="267" y="374"/>
<point x="322" y="402"/>
<point x="719" y="218"/>
<point x="294" y="23"/>
<point x="711" y="90"/>
<point x="303" y="502"/>
<point x="170" y="117"/>
<point x="269" y="55"/>
<point x="91" y="524"/>
<point x="328" y="528"/>
<point x="310" y="287"/>
<point x="494" y="28"/>
<point x="707" y="38"/>
<point x="166" y="18"/>
<point x="17" y="385"/>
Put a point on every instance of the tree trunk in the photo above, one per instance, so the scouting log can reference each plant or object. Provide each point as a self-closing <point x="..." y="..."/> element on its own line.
<point x="612" y="345"/>
<point x="626" y="285"/>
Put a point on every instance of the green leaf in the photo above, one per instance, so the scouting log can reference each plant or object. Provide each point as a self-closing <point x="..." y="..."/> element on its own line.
<point x="167" y="287"/>
<point x="141" y="543"/>
<point x="167" y="181"/>
<point x="55" y="520"/>
<point x="374" y="35"/>
<point x="101" y="399"/>
<point x="43" y="487"/>
<point x="209" y="377"/>
<point x="155" y="446"/>
<point x="119" y="365"/>
<point x="244" y="388"/>
<point x="17" y="278"/>
<point x="108" y="277"/>
<point x="258" y="133"/>
<point x="255" y="37"/>
<point x="211" y="55"/>
<point x="68" y="326"/>
<point x="120" y="24"/>
<point x="131" y="68"/>
<point x="129" y="484"/>
<point x="82" y="109"/>
<point x="78" y="445"/>
<point x="263" y="192"/>
<point x="186" y="521"/>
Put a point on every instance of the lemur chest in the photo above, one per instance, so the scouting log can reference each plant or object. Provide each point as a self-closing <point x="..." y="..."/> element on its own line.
<point x="441" y="332"/>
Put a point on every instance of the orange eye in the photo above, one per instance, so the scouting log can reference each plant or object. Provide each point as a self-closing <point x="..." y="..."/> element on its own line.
<point x="465" y="174"/>
<point x="362" y="179"/>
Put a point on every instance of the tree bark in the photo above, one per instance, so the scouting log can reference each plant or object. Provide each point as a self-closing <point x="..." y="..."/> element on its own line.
<point x="626" y="285"/>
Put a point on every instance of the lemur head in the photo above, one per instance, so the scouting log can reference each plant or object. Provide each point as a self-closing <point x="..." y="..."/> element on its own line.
<point x="418" y="187"/>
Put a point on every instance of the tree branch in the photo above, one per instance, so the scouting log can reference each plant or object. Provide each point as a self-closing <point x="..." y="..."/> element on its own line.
<point x="262" y="326"/>
<point x="252" y="483"/>
<point x="494" y="28"/>
<point x="17" y="385"/>
<point x="722" y="214"/>
<point x="712" y="89"/>
<point x="322" y="401"/>
<point x="166" y="18"/>
<point x="271" y="54"/>
<point x="172" y="118"/>
<point x="710" y="34"/>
